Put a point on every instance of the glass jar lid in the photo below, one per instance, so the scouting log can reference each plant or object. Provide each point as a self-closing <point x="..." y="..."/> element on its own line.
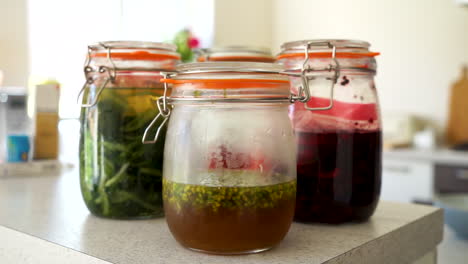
<point x="133" y="50"/>
<point x="131" y="55"/>
<point x="107" y="60"/>
<point x="322" y="48"/>
<point x="235" y="53"/>
<point x="347" y="55"/>
<point x="228" y="81"/>
<point x="325" y="58"/>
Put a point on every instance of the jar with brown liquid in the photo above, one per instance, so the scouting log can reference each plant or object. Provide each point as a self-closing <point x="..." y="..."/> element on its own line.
<point x="229" y="180"/>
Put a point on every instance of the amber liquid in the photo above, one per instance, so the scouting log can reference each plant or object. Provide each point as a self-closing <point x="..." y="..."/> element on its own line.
<point x="228" y="227"/>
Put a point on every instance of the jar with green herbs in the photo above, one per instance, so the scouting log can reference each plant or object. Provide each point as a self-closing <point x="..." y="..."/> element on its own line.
<point x="120" y="176"/>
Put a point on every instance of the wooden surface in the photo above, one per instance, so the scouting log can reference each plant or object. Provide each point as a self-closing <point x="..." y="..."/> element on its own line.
<point x="457" y="127"/>
<point x="47" y="136"/>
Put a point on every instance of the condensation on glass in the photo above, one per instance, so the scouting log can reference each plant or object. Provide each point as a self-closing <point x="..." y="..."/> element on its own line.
<point x="229" y="162"/>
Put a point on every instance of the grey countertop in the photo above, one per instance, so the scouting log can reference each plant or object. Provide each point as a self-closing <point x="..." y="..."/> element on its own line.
<point x="50" y="209"/>
<point x="436" y="156"/>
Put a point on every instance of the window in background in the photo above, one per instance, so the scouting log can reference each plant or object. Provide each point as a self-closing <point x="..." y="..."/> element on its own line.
<point x="59" y="32"/>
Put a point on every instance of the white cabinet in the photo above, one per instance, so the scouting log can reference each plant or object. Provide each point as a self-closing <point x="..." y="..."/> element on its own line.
<point x="407" y="180"/>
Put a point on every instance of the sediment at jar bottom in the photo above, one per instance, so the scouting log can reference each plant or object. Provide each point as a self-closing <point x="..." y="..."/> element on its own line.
<point x="229" y="220"/>
<point x="120" y="177"/>
<point x="338" y="175"/>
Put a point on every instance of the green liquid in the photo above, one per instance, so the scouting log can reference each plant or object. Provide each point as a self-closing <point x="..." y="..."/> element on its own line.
<point x="121" y="177"/>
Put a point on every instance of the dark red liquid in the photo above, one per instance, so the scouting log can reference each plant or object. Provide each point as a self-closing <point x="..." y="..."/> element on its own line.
<point x="338" y="175"/>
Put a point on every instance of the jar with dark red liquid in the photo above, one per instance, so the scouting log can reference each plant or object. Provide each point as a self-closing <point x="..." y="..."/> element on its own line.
<point x="338" y="129"/>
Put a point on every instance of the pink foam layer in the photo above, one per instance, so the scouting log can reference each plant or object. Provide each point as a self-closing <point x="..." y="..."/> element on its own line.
<point x="343" y="116"/>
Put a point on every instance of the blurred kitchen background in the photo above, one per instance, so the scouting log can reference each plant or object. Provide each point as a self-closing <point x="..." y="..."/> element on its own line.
<point x="422" y="76"/>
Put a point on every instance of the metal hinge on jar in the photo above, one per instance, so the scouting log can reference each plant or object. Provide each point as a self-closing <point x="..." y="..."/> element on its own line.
<point x="90" y="78"/>
<point x="94" y="72"/>
<point x="303" y="95"/>
<point x="164" y="112"/>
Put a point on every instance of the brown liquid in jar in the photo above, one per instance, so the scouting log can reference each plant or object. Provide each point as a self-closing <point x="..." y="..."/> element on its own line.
<point x="229" y="220"/>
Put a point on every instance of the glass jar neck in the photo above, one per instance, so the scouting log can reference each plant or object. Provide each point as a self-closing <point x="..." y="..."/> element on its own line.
<point x="133" y="55"/>
<point x="235" y="53"/>
<point x="231" y="89"/>
<point x="120" y="64"/>
<point x="229" y="80"/>
<point x="350" y="55"/>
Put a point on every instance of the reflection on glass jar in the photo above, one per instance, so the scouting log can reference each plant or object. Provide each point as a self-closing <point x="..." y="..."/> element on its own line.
<point x="235" y="53"/>
<point x="339" y="141"/>
<point x="229" y="161"/>
<point x="121" y="177"/>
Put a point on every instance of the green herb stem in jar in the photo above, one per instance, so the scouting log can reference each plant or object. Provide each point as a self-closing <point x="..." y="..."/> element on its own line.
<point x="120" y="176"/>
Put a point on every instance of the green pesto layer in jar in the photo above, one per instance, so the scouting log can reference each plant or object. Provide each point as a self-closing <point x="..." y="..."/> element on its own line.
<point x="216" y="197"/>
<point x="229" y="220"/>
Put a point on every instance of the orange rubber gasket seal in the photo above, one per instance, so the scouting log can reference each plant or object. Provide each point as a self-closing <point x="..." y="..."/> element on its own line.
<point x="343" y="55"/>
<point x="238" y="58"/>
<point x="228" y="83"/>
<point x="136" y="55"/>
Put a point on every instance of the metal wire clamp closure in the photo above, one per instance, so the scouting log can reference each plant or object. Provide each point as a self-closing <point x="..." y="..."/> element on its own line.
<point x="303" y="95"/>
<point x="111" y="73"/>
<point x="203" y="53"/>
<point x="165" y="107"/>
<point x="164" y="112"/>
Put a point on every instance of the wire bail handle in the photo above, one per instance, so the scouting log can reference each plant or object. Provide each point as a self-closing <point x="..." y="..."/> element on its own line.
<point x="164" y="112"/>
<point x="111" y="74"/>
<point x="203" y="53"/>
<point x="303" y="95"/>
